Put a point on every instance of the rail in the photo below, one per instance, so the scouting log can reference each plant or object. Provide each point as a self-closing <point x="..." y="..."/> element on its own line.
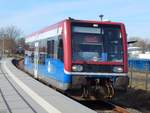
<point x="104" y="107"/>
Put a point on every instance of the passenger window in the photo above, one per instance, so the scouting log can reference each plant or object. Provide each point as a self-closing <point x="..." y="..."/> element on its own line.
<point x="50" y="48"/>
<point x="42" y="51"/>
<point x="60" y="50"/>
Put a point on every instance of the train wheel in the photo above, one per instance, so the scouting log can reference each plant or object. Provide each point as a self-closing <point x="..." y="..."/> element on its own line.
<point x="108" y="89"/>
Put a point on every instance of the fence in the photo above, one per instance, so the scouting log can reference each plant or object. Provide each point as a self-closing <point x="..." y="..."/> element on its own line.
<point x="139" y="73"/>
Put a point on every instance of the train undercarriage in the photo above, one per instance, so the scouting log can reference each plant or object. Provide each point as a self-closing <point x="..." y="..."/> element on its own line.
<point x="92" y="88"/>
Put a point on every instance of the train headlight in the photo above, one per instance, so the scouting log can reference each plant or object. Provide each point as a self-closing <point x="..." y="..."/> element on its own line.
<point x="77" y="68"/>
<point x="118" y="69"/>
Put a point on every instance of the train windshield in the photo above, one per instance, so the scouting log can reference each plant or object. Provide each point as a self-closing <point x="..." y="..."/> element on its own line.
<point x="101" y="44"/>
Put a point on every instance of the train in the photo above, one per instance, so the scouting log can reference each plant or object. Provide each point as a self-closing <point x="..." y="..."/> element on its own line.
<point x="83" y="58"/>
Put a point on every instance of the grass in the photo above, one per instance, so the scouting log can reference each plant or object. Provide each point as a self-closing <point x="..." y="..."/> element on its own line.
<point x="138" y="80"/>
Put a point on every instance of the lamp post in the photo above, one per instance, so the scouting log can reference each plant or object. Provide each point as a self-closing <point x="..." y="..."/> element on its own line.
<point x="101" y="17"/>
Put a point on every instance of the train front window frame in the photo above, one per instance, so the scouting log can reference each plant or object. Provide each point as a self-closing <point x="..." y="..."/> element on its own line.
<point x="103" y="43"/>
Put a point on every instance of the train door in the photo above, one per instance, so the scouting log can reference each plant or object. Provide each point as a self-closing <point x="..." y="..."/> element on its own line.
<point x="36" y="59"/>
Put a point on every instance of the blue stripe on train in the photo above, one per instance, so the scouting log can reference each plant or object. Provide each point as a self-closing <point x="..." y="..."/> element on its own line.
<point x="56" y="72"/>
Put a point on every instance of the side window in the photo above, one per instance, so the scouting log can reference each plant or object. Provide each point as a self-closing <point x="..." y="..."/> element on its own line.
<point x="31" y="52"/>
<point x="60" y="50"/>
<point x="42" y="51"/>
<point x="55" y="48"/>
<point x="50" y="48"/>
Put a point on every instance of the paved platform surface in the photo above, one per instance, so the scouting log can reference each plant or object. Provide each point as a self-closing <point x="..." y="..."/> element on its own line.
<point x="20" y="93"/>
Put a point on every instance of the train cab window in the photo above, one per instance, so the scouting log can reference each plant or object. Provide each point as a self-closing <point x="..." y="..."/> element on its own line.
<point x="115" y="53"/>
<point x="101" y="44"/>
<point x="60" y="50"/>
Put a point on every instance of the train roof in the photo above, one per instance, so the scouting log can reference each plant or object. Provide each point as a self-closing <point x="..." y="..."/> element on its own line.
<point x="51" y="27"/>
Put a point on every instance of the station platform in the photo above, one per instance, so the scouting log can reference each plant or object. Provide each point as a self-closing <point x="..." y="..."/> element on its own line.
<point x="20" y="93"/>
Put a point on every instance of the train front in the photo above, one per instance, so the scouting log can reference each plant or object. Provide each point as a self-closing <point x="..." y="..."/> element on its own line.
<point x="97" y="58"/>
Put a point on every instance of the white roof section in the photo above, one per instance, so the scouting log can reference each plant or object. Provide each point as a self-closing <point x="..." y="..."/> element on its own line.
<point x="44" y="35"/>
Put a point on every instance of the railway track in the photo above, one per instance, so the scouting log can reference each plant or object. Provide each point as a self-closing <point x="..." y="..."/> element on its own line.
<point x="104" y="107"/>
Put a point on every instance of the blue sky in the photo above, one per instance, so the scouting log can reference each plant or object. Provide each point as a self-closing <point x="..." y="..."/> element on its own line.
<point x="32" y="15"/>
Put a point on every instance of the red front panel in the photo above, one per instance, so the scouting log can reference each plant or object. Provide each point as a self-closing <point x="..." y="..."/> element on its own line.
<point x="67" y="46"/>
<point x="125" y="62"/>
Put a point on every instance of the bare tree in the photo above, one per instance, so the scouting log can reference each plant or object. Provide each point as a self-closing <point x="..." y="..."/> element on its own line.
<point x="8" y="35"/>
<point x="10" y="31"/>
<point x="143" y="43"/>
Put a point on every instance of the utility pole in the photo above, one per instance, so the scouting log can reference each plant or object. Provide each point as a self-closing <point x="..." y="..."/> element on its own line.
<point x="3" y="47"/>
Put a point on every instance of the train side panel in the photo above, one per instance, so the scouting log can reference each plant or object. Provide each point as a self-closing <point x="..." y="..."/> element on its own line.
<point x="49" y="67"/>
